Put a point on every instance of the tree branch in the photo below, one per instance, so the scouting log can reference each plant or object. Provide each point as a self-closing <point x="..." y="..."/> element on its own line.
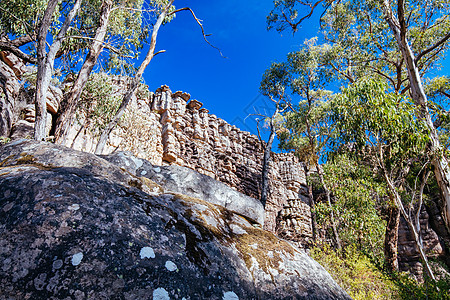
<point x="438" y="43"/>
<point x="199" y="22"/>
<point x="17" y="52"/>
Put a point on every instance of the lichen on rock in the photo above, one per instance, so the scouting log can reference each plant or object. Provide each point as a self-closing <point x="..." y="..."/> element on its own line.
<point x="76" y="228"/>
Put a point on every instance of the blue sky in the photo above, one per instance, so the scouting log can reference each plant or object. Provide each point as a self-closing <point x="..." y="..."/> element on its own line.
<point x="228" y="87"/>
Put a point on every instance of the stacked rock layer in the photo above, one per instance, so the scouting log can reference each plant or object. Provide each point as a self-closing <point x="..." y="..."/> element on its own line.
<point x="175" y="130"/>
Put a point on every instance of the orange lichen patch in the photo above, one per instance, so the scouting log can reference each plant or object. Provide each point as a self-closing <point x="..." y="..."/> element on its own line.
<point x="149" y="186"/>
<point x="258" y="244"/>
<point x="8" y="158"/>
<point x="25" y="159"/>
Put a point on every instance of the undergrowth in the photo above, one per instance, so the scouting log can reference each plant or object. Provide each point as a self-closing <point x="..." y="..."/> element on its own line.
<point x="362" y="279"/>
<point x="356" y="274"/>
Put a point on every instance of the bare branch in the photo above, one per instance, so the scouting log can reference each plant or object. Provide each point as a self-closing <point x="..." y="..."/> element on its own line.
<point x="419" y="205"/>
<point x="259" y="134"/>
<point x="438" y="43"/>
<point x="22" y="40"/>
<point x="17" y="52"/>
<point x="383" y="75"/>
<point x="199" y="22"/>
<point x="159" y="52"/>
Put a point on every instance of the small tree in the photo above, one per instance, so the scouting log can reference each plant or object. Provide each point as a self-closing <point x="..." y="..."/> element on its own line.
<point x="382" y="126"/>
<point x="166" y="13"/>
<point x="306" y="131"/>
<point x="358" y="198"/>
<point x="273" y="86"/>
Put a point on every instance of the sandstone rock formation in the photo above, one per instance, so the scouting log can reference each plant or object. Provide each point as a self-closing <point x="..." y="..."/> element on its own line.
<point x="183" y="180"/>
<point x="435" y="245"/>
<point x="174" y="130"/>
<point x="74" y="226"/>
<point x="168" y="128"/>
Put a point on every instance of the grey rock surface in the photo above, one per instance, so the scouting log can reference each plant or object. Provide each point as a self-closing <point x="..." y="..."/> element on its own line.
<point x="73" y="227"/>
<point x="191" y="183"/>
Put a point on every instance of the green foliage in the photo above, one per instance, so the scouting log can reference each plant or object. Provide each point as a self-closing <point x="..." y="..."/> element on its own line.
<point x="19" y="17"/>
<point x="129" y="26"/>
<point x="410" y="289"/>
<point x="357" y="194"/>
<point x="356" y="274"/>
<point x="4" y="140"/>
<point x="360" y="41"/>
<point x="99" y="101"/>
<point x="366" y="115"/>
<point x="437" y="86"/>
<point x="305" y="130"/>
<point x="124" y="39"/>
<point x="275" y="80"/>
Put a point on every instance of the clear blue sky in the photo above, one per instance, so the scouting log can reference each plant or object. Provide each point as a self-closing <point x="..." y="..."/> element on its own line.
<point x="228" y="87"/>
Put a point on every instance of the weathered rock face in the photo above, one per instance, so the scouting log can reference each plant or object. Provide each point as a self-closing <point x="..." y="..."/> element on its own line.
<point x="9" y="91"/>
<point x="185" y="134"/>
<point x="431" y="223"/>
<point x="183" y="180"/>
<point x="168" y="129"/>
<point x="82" y="227"/>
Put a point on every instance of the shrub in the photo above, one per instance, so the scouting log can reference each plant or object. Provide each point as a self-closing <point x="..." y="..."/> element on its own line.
<point x="356" y="274"/>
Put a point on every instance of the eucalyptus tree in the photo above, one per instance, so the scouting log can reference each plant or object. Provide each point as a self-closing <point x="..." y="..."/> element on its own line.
<point x="305" y="127"/>
<point x="119" y="33"/>
<point x="397" y="41"/>
<point x="383" y="129"/>
<point x="165" y="13"/>
<point x="69" y="36"/>
<point x="46" y="61"/>
<point x="273" y="86"/>
<point x="401" y="29"/>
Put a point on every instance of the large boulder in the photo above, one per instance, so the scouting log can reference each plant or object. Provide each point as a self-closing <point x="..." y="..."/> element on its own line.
<point x="74" y="226"/>
<point x="191" y="183"/>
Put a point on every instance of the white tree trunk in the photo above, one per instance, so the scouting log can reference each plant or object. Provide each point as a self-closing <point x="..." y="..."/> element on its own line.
<point x="46" y="62"/>
<point x="135" y="82"/>
<point x="440" y="162"/>
<point x="70" y="100"/>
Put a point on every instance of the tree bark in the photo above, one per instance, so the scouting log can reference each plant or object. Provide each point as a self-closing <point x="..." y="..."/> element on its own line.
<point x="46" y="61"/>
<point x="411" y="225"/>
<point x="266" y="163"/>
<point x="70" y="101"/>
<point x="135" y="82"/>
<point x="312" y="205"/>
<point x="440" y="162"/>
<point x="391" y="238"/>
<point x="332" y="217"/>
